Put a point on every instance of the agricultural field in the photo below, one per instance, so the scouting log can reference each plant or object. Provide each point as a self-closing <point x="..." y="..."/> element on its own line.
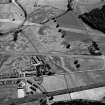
<point x="46" y="48"/>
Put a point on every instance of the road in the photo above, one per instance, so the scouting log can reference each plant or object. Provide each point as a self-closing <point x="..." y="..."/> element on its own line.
<point x="60" y="54"/>
<point x="84" y="32"/>
<point x="63" y="28"/>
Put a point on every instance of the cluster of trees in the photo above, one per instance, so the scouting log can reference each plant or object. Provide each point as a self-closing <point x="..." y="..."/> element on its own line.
<point x="95" y="18"/>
